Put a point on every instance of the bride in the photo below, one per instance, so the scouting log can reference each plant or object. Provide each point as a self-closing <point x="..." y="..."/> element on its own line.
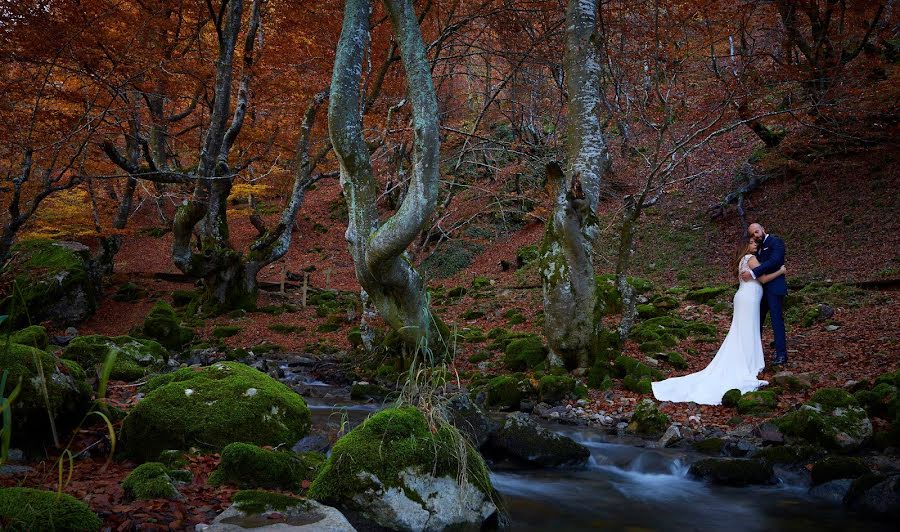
<point x="740" y="358"/>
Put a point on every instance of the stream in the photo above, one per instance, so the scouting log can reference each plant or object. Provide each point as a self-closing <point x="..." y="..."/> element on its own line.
<point x="624" y="486"/>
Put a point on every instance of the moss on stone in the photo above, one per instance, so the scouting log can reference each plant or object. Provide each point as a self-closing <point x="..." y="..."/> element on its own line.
<point x="837" y="429"/>
<point x="134" y="357"/>
<point x="225" y="331"/>
<point x="32" y="336"/>
<point x="647" y="420"/>
<point x="481" y="356"/>
<point x="831" y="398"/>
<point x="731" y="398"/>
<point x="836" y="467"/>
<point x="624" y="366"/>
<point x="67" y="390"/>
<point x="524" y="353"/>
<point x="27" y="509"/>
<point x="711" y="446"/>
<point x="388" y="443"/>
<point x="211" y="407"/>
<point x="366" y="390"/>
<point x="642" y="385"/>
<point x="707" y="294"/>
<point x="257" y="501"/>
<point x="163" y="325"/>
<point x="785" y="454"/>
<point x="649" y="310"/>
<point x="731" y="472"/>
<point x="757" y="403"/>
<point x="503" y="392"/>
<point x="149" y="481"/>
<point x="248" y="466"/>
<point x="552" y="389"/>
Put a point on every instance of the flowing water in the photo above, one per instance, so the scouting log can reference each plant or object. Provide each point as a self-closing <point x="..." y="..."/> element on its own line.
<point x="628" y="487"/>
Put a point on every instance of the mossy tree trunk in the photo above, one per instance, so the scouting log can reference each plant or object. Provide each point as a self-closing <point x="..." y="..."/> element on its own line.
<point x="379" y="249"/>
<point x="567" y="266"/>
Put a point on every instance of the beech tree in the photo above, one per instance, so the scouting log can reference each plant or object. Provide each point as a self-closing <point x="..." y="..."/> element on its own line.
<point x="378" y="247"/>
<point x="567" y="265"/>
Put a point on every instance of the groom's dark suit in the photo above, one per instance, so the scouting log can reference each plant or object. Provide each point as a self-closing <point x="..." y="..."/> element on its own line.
<point x="771" y="259"/>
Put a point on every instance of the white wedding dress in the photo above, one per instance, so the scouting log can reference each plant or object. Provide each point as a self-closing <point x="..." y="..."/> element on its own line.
<point x="738" y="362"/>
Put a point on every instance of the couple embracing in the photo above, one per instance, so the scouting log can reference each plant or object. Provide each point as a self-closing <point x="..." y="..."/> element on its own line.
<point x="760" y="269"/>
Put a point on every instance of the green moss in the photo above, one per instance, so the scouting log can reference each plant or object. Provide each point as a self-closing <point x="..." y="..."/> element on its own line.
<point x="823" y="428"/>
<point x="649" y="310"/>
<point x="479" y="357"/>
<point x="675" y="360"/>
<point x="26" y="509"/>
<point x="173" y="458"/>
<point x="731" y="398"/>
<point x="163" y="325"/>
<point x="135" y="358"/>
<point x="480" y="282"/>
<point x="514" y="317"/>
<point x="256" y="501"/>
<point x="624" y="366"/>
<point x="835" y="467"/>
<point x="608" y="299"/>
<point x="248" y="466"/>
<point x="32" y="336"/>
<point x="386" y="444"/>
<point x="149" y="481"/>
<point x="524" y="353"/>
<point x="181" y="298"/>
<point x="46" y="275"/>
<point x="642" y="385"/>
<point x="472" y="314"/>
<point x="881" y="401"/>
<point x="785" y="454"/>
<point x="266" y="347"/>
<point x="831" y="398"/>
<point x="365" y="390"/>
<point x="212" y="407"/>
<point x="526" y="255"/>
<point x="450" y="257"/>
<point x="552" y="389"/>
<point x="711" y="446"/>
<point x="705" y="295"/>
<point x="647" y="420"/>
<point x="67" y="390"/>
<point x="503" y="392"/>
<point x="757" y="403"/>
<point x="225" y="331"/>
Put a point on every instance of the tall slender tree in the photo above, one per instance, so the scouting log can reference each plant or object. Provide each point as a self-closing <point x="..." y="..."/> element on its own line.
<point x="567" y="265"/>
<point x="379" y="247"/>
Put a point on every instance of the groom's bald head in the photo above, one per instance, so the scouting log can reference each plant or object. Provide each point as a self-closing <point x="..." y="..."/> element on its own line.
<point x="756" y="232"/>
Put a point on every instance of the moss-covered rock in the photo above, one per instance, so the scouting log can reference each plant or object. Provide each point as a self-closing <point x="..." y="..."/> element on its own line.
<point x="32" y="336"/>
<point x="135" y="358"/>
<point x="520" y="437"/>
<point x="149" y="481"/>
<point x="164" y="326"/>
<point x="674" y="359"/>
<point x="835" y="467"/>
<point x="710" y="446"/>
<point x="26" y="509"/>
<point x="211" y="407"/>
<point x="707" y="294"/>
<point x="624" y="366"/>
<point x="401" y="473"/>
<point x="757" y="403"/>
<point x="68" y="394"/>
<point x="875" y="495"/>
<point x="248" y="466"/>
<point x="56" y="280"/>
<point x="786" y="454"/>
<point x="731" y="398"/>
<point x="839" y="427"/>
<point x="524" y="353"/>
<point x="641" y="385"/>
<point x="733" y="472"/>
<point x="503" y="392"/>
<point x="647" y="420"/>
<point x="880" y="401"/>
<point x="366" y="390"/>
<point x="552" y="388"/>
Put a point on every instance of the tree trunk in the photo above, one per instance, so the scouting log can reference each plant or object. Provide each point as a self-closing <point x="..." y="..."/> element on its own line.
<point x="567" y="266"/>
<point x="379" y="249"/>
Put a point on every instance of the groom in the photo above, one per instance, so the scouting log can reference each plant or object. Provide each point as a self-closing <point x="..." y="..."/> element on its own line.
<point x="771" y="258"/>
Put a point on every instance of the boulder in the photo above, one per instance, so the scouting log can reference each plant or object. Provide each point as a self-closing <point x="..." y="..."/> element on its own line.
<point x="31" y="509"/>
<point x="211" y="407"/>
<point x="647" y="420"/>
<point x="524" y="353"/>
<point x="523" y="439"/>
<point x="791" y="381"/>
<point x="733" y="471"/>
<point x="768" y="433"/>
<point x="757" y="403"/>
<point x="838" y="467"/>
<point x="164" y="326"/>
<point x="555" y="388"/>
<point x="32" y="336"/>
<point x="67" y="390"/>
<point x="832" y="491"/>
<point x="469" y="419"/>
<point x="877" y="495"/>
<point x="248" y="466"/>
<point x="150" y="480"/>
<point x="260" y="511"/>
<point x="56" y="280"/>
<point x="134" y="358"/>
<point x="731" y="397"/>
<point x="671" y="436"/>
<point x="397" y="471"/>
<point x="831" y="418"/>
<point x="504" y="392"/>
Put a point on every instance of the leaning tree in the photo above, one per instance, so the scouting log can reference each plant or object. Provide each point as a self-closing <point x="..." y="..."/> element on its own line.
<point x="378" y="247"/>
<point x="567" y="265"/>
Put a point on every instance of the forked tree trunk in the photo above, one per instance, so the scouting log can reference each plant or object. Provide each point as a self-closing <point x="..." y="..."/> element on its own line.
<point x="567" y="266"/>
<point x="379" y="249"/>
